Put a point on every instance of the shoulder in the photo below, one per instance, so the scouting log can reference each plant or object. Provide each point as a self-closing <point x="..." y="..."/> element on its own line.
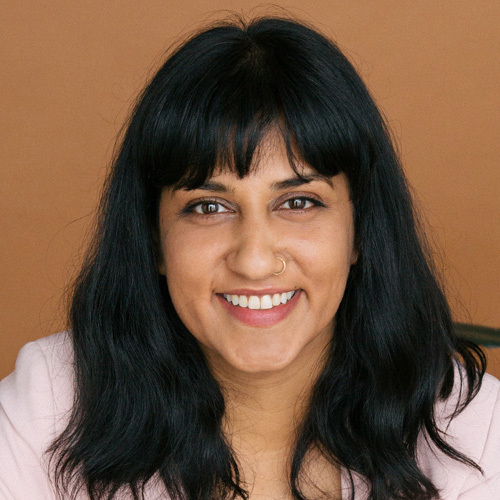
<point x="35" y="401"/>
<point x="475" y="432"/>
<point x="43" y="377"/>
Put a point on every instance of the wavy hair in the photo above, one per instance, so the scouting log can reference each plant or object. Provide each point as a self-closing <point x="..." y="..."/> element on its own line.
<point x="147" y="408"/>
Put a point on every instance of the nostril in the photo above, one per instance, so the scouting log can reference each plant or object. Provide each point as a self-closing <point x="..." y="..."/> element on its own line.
<point x="253" y="263"/>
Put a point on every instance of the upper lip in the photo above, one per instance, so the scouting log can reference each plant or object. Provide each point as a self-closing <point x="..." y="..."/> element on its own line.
<point x="258" y="293"/>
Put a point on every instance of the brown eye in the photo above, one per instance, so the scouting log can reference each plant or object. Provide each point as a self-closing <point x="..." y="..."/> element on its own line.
<point x="208" y="208"/>
<point x="299" y="203"/>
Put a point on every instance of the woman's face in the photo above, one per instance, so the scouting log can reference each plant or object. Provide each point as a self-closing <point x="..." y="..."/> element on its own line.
<point x="220" y="245"/>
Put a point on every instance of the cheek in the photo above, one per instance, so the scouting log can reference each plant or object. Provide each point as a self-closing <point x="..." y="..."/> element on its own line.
<point x="184" y="252"/>
<point x="326" y="252"/>
<point x="325" y="259"/>
<point x="190" y="263"/>
<point x="180" y="261"/>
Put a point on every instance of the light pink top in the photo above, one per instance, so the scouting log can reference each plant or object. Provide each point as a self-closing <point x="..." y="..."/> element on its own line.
<point x="36" y="398"/>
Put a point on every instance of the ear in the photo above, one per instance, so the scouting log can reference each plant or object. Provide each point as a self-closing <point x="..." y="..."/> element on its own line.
<point x="355" y="253"/>
<point x="161" y="268"/>
<point x="355" y="250"/>
<point x="157" y="251"/>
<point x="354" y="258"/>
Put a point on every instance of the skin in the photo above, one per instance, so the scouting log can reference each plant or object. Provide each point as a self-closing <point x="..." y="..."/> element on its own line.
<point x="225" y="237"/>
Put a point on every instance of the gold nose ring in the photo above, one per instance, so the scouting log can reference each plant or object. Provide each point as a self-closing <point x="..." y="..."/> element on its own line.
<point x="284" y="266"/>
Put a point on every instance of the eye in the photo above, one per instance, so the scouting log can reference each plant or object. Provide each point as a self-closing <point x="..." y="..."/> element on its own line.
<point x="300" y="203"/>
<point x="207" y="207"/>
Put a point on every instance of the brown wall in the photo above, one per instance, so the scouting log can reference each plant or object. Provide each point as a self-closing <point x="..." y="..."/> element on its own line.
<point x="69" y="72"/>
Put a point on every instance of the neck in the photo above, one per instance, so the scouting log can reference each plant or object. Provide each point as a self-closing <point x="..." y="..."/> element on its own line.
<point x="263" y="410"/>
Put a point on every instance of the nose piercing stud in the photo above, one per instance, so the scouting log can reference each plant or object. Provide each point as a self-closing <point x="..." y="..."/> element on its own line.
<point x="284" y="266"/>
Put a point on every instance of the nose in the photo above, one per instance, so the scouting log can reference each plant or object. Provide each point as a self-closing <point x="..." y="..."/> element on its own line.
<point x="253" y="254"/>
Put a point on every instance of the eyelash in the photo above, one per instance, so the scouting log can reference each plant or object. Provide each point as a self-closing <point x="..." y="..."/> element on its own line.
<point x="190" y="209"/>
<point x="314" y="201"/>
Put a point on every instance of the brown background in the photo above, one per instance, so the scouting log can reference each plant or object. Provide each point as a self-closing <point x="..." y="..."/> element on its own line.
<point x="69" y="73"/>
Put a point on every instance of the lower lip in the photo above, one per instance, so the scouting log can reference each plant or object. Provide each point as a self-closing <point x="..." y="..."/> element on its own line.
<point x="261" y="317"/>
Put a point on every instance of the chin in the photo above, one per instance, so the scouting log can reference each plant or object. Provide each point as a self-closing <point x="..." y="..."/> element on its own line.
<point x="259" y="362"/>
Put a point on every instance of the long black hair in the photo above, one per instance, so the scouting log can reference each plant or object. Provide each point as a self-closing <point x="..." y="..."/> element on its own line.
<point x="147" y="408"/>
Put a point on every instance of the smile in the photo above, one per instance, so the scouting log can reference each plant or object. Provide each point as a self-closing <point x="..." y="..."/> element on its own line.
<point x="255" y="302"/>
<point x="261" y="311"/>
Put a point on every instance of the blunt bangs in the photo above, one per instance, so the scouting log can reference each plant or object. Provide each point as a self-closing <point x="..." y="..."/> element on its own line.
<point x="216" y="98"/>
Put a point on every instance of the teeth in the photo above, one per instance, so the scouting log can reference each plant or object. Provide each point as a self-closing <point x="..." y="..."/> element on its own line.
<point x="256" y="302"/>
<point x="253" y="302"/>
<point x="266" y="302"/>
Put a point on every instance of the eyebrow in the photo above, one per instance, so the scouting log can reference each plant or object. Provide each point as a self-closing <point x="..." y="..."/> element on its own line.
<point x="300" y="181"/>
<point x="218" y="187"/>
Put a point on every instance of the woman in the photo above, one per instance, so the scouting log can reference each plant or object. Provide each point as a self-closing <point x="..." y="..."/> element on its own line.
<point x="256" y="317"/>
